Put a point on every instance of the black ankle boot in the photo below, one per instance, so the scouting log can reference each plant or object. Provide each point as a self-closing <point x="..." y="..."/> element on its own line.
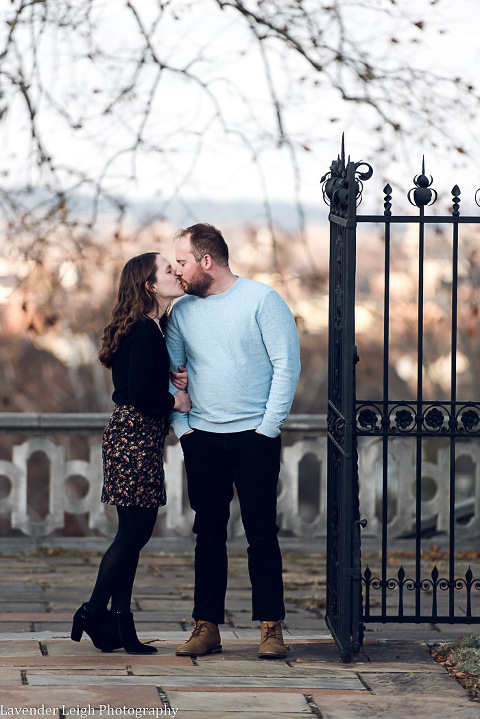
<point x="111" y="629"/>
<point x="128" y="635"/>
<point x="100" y="627"/>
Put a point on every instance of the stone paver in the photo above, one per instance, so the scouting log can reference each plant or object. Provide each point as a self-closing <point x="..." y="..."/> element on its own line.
<point x="393" y="676"/>
<point x="96" y="662"/>
<point x="243" y="702"/>
<point x="10" y="677"/>
<point x="207" y="714"/>
<point x="85" y="647"/>
<point x="68" y="672"/>
<point x="411" y="683"/>
<point x="151" y="604"/>
<point x="244" y="668"/>
<point x="394" y="706"/>
<point x="19" y="648"/>
<point x="8" y="606"/>
<point x="33" y="616"/>
<point x="115" y="679"/>
<point x="18" y="627"/>
<point x="81" y="696"/>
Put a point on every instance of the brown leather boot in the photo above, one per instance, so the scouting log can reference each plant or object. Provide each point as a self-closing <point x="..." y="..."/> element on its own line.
<point x="271" y="644"/>
<point x="205" y="639"/>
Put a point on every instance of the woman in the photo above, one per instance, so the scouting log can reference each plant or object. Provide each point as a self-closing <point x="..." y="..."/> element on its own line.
<point x="133" y="347"/>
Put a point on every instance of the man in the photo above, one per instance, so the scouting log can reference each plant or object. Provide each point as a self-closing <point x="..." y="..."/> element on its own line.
<point x="240" y="343"/>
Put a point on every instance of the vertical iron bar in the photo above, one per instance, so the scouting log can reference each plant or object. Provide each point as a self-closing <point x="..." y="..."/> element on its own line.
<point x="419" y="420"/>
<point x="401" y="584"/>
<point x="468" y="585"/>
<point x="386" y="360"/>
<point x="434" y="581"/>
<point x="453" y="410"/>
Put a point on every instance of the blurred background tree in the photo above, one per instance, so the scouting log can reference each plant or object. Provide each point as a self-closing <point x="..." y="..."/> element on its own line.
<point x="120" y="120"/>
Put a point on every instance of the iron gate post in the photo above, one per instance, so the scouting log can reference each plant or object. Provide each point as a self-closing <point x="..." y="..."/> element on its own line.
<point x="342" y="188"/>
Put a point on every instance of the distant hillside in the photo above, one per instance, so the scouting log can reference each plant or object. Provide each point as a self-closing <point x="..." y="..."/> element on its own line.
<point x="180" y="212"/>
<point x="187" y="212"/>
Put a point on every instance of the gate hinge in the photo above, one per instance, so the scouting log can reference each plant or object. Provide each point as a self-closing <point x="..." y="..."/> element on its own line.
<point x="356" y="358"/>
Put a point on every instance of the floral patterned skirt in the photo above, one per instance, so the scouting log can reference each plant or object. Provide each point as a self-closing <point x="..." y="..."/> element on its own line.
<point x="132" y="451"/>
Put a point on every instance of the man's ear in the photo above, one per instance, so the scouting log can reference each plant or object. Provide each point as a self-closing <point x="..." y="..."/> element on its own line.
<point x="207" y="262"/>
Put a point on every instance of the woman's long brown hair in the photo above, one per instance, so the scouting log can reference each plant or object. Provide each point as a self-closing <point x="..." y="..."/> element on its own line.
<point x="134" y="301"/>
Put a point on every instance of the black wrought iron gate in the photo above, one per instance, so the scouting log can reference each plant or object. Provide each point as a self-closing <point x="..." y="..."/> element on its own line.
<point x="355" y="598"/>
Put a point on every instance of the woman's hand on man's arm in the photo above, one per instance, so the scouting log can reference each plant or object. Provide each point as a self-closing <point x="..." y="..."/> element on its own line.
<point x="182" y="401"/>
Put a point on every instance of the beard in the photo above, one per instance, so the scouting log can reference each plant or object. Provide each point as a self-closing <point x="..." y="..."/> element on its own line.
<point x="199" y="284"/>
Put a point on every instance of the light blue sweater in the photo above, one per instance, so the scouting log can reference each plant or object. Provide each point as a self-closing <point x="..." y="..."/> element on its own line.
<point x="242" y="353"/>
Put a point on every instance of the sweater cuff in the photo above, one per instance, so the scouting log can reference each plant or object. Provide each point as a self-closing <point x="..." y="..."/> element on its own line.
<point x="179" y="423"/>
<point x="269" y="429"/>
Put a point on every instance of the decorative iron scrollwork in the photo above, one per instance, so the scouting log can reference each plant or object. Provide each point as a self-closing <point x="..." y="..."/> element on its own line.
<point x="430" y="585"/>
<point x="336" y="427"/>
<point x="402" y="419"/>
<point x="434" y="418"/>
<point x="335" y="183"/>
<point x="368" y="419"/>
<point x="470" y="419"/>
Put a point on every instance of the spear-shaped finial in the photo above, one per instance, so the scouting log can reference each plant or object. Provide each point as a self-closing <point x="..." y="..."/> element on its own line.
<point x="422" y="194"/>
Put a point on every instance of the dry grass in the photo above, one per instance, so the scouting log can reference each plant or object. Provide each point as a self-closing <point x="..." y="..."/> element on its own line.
<point x="461" y="659"/>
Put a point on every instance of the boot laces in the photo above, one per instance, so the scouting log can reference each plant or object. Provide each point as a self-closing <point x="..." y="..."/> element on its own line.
<point x="272" y="632"/>
<point x="199" y="626"/>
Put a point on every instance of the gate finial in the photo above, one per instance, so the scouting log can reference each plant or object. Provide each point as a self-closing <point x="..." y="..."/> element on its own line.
<point x="422" y="194"/>
<point x="387" y="191"/>
<point x="456" y="200"/>
<point x="335" y="183"/>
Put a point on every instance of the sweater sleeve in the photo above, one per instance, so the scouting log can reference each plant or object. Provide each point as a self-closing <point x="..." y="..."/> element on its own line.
<point x="147" y="389"/>
<point x="280" y="338"/>
<point x="177" y="353"/>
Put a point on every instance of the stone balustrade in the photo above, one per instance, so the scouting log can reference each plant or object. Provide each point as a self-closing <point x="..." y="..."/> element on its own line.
<point x="71" y="486"/>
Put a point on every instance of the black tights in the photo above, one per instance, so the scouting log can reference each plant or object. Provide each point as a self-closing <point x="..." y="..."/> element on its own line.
<point x="116" y="573"/>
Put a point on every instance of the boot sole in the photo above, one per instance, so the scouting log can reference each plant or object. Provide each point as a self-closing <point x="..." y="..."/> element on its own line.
<point x="273" y="655"/>
<point x="142" y="654"/>
<point x="270" y="655"/>
<point x="210" y="650"/>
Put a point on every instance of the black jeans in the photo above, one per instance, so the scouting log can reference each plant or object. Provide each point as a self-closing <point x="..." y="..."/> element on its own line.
<point x="215" y="463"/>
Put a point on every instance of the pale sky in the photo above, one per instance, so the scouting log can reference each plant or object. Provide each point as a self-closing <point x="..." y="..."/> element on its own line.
<point x="224" y="171"/>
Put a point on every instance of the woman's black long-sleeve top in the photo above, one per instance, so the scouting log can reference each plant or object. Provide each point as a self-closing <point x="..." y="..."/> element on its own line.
<point x="140" y="370"/>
